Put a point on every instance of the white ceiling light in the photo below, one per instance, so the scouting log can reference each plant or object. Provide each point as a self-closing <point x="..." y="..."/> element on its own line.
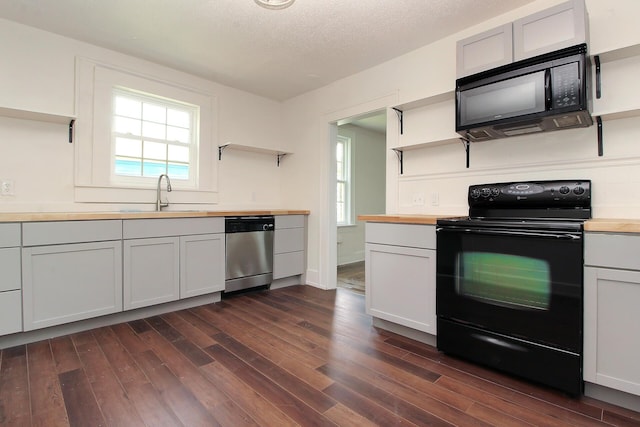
<point x="274" y="4"/>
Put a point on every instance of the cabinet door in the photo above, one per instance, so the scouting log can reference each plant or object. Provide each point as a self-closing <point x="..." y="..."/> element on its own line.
<point x="10" y="269"/>
<point x="10" y="312"/>
<point x="555" y="28"/>
<point x="400" y="285"/>
<point x="288" y="264"/>
<point x="151" y="271"/>
<point x="611" y="319"/>
<point x="202" y="264"/>
<point x="484" y="51"/>
<point x="288" y="240"/>
<point x="65" y="283"/>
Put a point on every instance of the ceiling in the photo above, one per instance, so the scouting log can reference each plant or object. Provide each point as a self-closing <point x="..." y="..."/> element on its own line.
<point x="278" y="54"/>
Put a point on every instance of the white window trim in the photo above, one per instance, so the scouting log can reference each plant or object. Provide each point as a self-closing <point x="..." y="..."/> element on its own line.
<point x="93" y="148"/>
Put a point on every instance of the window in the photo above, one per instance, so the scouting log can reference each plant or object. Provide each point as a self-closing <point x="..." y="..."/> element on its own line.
<point x="152" y="136"/>
<point x="343" y="194"/>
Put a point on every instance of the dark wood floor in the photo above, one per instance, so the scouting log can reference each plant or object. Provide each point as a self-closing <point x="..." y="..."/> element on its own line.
<point x="295" y="356"/>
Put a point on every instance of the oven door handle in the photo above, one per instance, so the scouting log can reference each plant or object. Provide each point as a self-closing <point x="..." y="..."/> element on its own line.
<point x="520" y="233"/>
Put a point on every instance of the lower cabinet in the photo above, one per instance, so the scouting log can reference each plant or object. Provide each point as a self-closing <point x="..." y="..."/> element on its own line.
<point x="400" y="271"/>
<point x="66" y="283"/>
<point x="202" y="264"/>
<point x="11" y="279"/>
<point x="289" y="246"/>
<point x="611" y="315"/>
<point x="151" y="271"/>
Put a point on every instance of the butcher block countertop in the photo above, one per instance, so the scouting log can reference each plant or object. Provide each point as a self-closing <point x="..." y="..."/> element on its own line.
<point x="80" y="216"/>
<point x="613" y="225"/>
<point x="404" y="219"/>
<point x="597" y="224"/>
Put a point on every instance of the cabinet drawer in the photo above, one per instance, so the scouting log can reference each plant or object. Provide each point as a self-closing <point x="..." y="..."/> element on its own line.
<point x="10" y="269"/>
<point x="612" y="250"/>
<point x="289" y="264"/>
<point x="9" y="235"/>
<point x="60" y="232"/>
<point x="10" y="312"/>
<point x="288" y="240"/>
<point x="289" y="221"/>
<point x="166" y="227"/>
<point x="409" y="235"/>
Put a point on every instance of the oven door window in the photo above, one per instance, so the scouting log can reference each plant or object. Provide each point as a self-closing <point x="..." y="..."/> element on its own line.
<point x="504" y="279"/>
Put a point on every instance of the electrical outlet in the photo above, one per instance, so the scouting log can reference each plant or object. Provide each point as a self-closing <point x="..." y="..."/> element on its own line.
<point x="6" y="187"/>
<point x="418" y="199"/>
<point x="435" y="199"/>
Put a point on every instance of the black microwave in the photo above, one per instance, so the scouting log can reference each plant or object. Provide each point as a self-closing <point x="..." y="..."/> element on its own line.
<point x="545" y="93"/>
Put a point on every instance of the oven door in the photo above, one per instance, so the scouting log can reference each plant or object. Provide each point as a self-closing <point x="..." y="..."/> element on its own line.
<point x="522" y="283"/>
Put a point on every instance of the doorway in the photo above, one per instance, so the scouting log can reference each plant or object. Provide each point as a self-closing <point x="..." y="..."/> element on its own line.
<point x="360" y="189"/>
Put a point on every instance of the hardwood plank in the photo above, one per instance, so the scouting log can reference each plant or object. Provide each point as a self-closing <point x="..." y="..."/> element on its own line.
<point x="493" y="416"/>
<point x="47" y="402"/>
<point x="345" y="417"/>
<point x="151" y="407"/>
<point x="116" y="408"/>
<point x="122" y="363"/>
<point x="188" y="330"/>
<point x="64" y="354"/>
<point x="174" y="394"/>
<point x="15" y="408"/>
<point x="281" y="398"/>
<point x="82" y="407"/>
<point x="129" y="339"/>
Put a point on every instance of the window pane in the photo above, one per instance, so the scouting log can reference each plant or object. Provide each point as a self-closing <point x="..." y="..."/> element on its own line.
<point x="128" y="167"/>
<point x="340" y="152"/>
<point x="340" y="193"/>
<point x="155" y="150"/>
<point x="153" y="130"/>
<point x="128" y="107"/>
<point x="128" y="147"/>
<point x="178" y="171"/>
<point x="123" y="125"/>
<point x="178" y="154"/>
<point x="178" y="118"/>
<point x="153" y="169"/>
<point x="177" y="134"/>
<point x="340" y="170"/>
<point x="340" y="214"/>
<point x="154" y="113"/>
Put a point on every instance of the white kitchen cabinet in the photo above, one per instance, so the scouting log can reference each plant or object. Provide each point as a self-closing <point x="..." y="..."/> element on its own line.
<point x="11" y="283"/>
<point x="151" y="271"/>
<point x="611" y="315"/>
<point x="71" y="270"/>
<point x="557" y="27"/>
<point x="400" y="274"/>
<point x="484" y="51"/>
<point x="172" y="258"/>
<point x="289" y="246"/>
<point x="202" y="264"/>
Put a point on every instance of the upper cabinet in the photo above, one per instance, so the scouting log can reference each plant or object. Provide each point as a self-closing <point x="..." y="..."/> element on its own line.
<point x="551" y="29"/>
<point x="555" y="28"/>
<point x="485" y="51"/>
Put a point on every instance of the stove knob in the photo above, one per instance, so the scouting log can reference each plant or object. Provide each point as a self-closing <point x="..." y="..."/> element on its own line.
<point x="495" y="192"/>
<point x="578" y="190"/>
<point x="564" y="190"/>
<point x="486" y="192"/>
<point x="475" y="193"/>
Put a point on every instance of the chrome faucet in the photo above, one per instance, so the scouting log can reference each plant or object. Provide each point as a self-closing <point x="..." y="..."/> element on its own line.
<point x="159" y="204"/>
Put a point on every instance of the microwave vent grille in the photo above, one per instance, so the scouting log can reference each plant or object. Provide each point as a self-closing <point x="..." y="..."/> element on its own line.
<point x="568" y="121"/>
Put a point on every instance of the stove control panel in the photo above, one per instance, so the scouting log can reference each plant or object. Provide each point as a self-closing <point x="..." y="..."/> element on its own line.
<point x="548" y="194"/>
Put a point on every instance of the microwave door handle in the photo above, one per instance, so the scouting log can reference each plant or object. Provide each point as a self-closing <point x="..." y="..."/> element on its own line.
<point x="547" y="89"/>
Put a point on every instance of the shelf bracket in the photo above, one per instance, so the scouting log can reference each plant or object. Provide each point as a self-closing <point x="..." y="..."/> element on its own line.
<point x="599" y="124"/>
<point x="221" y="149"/>
<point x="467" y="146"/>
<point x="279" y="157"/>
<point x="400" y="155"/>
<point x="596" y="59"/>
<point x="401" y="118"/>
<point x="71" y="125"/>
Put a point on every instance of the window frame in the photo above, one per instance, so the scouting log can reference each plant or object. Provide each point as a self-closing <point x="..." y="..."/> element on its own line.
<point x="193" y="144"/>
<point x="346" y="180"/>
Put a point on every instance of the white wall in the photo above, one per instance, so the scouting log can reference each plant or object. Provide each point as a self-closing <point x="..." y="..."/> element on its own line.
<point x="369" y="177"/>
<point x="441" y="170"/>
<point x="40" y="75"/>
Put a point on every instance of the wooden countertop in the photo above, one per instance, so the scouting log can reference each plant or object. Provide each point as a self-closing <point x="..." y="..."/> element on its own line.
<point x="613" y="225"/>
<point x="404" y="219"/>
<point x="82" y="216"/>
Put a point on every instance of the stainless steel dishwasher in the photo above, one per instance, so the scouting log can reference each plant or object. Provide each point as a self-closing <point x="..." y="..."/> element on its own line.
<point x="249" y="245"/>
